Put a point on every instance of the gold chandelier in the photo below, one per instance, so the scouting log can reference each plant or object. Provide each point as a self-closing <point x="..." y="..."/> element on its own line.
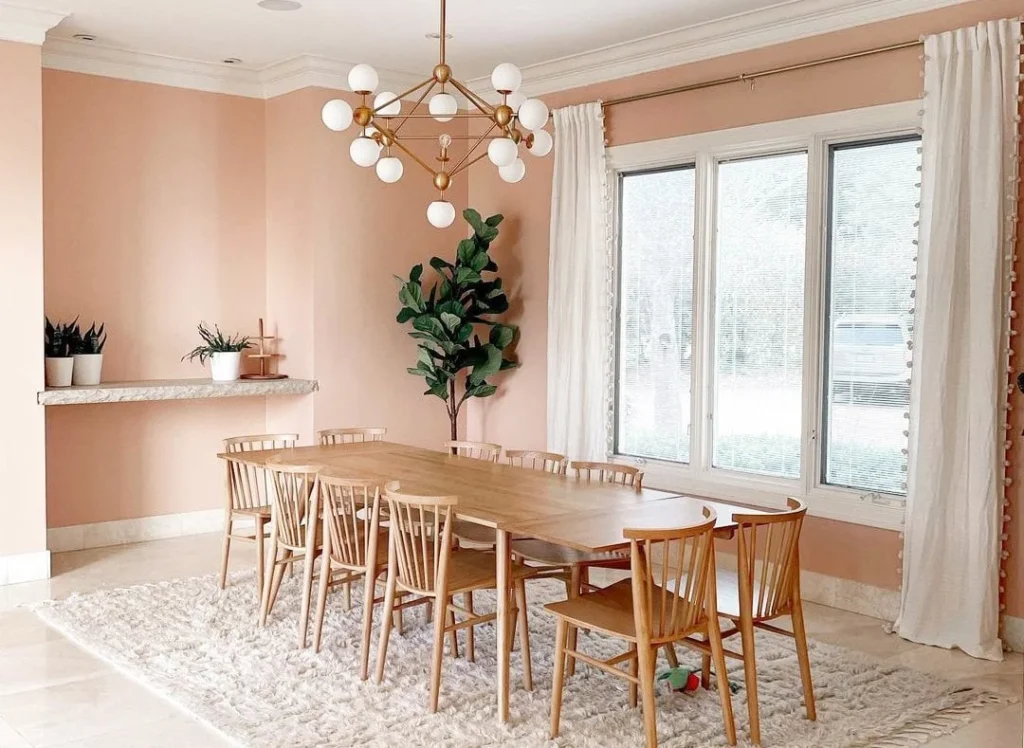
<point x="516" y="121"/>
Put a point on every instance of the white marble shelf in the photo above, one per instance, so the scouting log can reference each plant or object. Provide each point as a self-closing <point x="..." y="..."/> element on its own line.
<point x="173" y="389"/>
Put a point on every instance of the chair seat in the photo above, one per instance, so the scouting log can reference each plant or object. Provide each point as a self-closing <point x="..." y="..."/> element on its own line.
<point x="258" y="511"/>
<point x="471" y="532"/>
<point x="382" y="550"/>
<point x="609" y="609"/>
<point x="551" y="554"/>
<point x="475" y="570"/>
<point x="728" y="584"/>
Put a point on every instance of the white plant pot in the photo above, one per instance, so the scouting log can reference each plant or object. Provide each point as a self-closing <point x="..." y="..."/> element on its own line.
<point x="58" y="371"/>
<point x="87" y="368"/>
<point x="224" y="367"/>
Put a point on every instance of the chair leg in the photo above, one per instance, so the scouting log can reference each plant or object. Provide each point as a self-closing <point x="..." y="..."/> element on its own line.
<point x="261" y="559"/>
<point x="369" y="592"/>
<point x="226" y="550"/>
<point x="348" y="596"/>
<point x="307" y="594"/>
<point x="705" y="667"/>
<point x="724" y="694"/>
<point x="670" y="655"/>
<point x="436" y="660"/>
<point x="385" y="623"/>
<point x="524" y="634"/>
<point x="321" y="604"/>
<point x="467" y="602"/>
<point x="750" y="678"/>
<point x="453" y="635"/>
<point x="558" y="678"/>
<point x="800" y="636"/>
<point x="573" y="590"/>
<point x="282" y="566"/>
<point x="634" y="666"/>
<point x="646" y="656"/>
<point x="268" y="585"/>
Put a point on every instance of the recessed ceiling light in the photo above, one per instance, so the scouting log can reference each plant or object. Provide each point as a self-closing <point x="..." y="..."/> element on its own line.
<point x="85" y="37"/>
<point x="231" y="61"/>
<point x="437" y="35"/>
<point x="279" y="4"/>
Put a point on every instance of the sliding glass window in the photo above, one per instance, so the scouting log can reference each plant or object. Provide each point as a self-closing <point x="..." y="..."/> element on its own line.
<point x="759" y="310"/>
<point x="655" y="313"/>
<point x="873" y="197"/>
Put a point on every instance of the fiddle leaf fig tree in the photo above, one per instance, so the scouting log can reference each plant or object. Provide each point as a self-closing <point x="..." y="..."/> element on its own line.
<point x="449" y="319"/>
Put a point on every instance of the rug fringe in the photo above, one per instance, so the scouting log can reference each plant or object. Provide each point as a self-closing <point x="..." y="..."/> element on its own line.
<point x="944" y="722"/>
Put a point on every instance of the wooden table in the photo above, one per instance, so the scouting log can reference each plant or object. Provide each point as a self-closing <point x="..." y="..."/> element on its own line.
<point x="513" y="500"/>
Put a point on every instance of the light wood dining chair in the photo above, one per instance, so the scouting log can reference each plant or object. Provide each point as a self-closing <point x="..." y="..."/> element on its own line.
<point x="573" y="566"/>
<point x="354" y="548"/>
<point x="423" y="563"/>
<point x="767" y="586"/>
<point x="608" y="472"/>
<point x="248" y="498"/>
<point x="547" y="462"/>
<point x="474" y="450"/>
<point x="294" y="535"/>
<point x="670" y="598"/>
<point x="328" y="437"/>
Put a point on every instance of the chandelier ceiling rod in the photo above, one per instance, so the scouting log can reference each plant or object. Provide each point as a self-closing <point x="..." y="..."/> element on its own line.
<point x="515" y="121"/>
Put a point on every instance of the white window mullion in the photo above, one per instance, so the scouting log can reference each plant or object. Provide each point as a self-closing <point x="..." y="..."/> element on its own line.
<point x="703" y="318"/>
<point x="814" y="314"/>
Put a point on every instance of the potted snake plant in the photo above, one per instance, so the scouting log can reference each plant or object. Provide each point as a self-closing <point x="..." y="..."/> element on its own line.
<point x="223" y="351"/>
<point x="57" y="349"/>
<point x="87" y="352"/>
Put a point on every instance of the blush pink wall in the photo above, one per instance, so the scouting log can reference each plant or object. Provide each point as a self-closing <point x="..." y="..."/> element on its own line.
<point x="22" y="450"/>
<point x="153" y="221"/>
<point x="517" y="417"/>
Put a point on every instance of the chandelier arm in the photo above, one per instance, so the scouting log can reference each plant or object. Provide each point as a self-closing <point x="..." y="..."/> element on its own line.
<point x="402" y="95"/>
<point x="419" y="101"/>
<point x="413" y="156"/>
<point x="472" y="148"/>
<point x="479" y="103"/>
<point x="468" y="164"/>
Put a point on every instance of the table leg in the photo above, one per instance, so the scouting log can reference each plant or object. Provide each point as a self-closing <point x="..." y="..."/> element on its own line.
<point x="504" y="575"/>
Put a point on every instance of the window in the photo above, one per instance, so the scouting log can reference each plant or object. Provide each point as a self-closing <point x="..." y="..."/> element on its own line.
<point x="759" y="308"/>
<point x="655" y="314"/>
<point x="870" y="258"/>
<point x="763" y="310"/>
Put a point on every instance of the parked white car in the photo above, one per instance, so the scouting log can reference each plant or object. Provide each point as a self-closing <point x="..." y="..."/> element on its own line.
<point x="870" y="353"/>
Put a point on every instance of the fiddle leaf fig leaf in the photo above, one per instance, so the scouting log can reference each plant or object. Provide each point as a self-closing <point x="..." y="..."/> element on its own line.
<point x="416" y="273"/>
<point x="494" y="220"/>
<point x="501" y="336"/>
<point x="405" y="315"/>
<point x="450" y="321"/>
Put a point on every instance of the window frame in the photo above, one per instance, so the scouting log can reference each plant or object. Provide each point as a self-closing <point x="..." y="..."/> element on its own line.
<point x="816" y="135"/>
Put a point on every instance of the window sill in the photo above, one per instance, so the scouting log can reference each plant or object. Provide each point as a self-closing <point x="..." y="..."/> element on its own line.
<point x="771" y="493"/>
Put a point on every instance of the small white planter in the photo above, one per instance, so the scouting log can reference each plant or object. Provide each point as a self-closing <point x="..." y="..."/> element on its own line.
<point x="224" y="367"/>
<point x="87" y="368"/>
<point x="58" y="371"/>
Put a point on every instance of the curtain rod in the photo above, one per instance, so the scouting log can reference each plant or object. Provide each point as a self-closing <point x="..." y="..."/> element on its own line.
<point x="749" y="77"/>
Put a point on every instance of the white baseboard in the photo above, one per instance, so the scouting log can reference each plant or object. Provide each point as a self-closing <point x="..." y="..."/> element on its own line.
<point x="1013" y="633"/>
<point x="24" y="567"/>
<point x="122" y="532"/>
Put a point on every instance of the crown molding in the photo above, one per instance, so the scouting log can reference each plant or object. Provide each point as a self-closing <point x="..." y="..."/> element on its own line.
<point x="27" y="25"/>
<point x="797" y="19"/>
<point x="111" y="62"/>
<point x="309" y="70"/>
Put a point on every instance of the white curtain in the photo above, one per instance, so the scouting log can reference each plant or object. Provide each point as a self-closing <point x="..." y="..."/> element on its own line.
<point x="577" y="286"/>
<point x="951" y="550"/>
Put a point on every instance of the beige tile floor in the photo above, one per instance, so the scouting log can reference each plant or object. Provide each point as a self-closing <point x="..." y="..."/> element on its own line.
<point x="54" y="694"/>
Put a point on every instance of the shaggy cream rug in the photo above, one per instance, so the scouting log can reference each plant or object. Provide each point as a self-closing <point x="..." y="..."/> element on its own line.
<point x="200" y="648"/>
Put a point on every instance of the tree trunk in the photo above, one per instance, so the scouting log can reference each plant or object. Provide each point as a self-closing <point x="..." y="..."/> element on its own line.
<point x="453" y="411"/>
